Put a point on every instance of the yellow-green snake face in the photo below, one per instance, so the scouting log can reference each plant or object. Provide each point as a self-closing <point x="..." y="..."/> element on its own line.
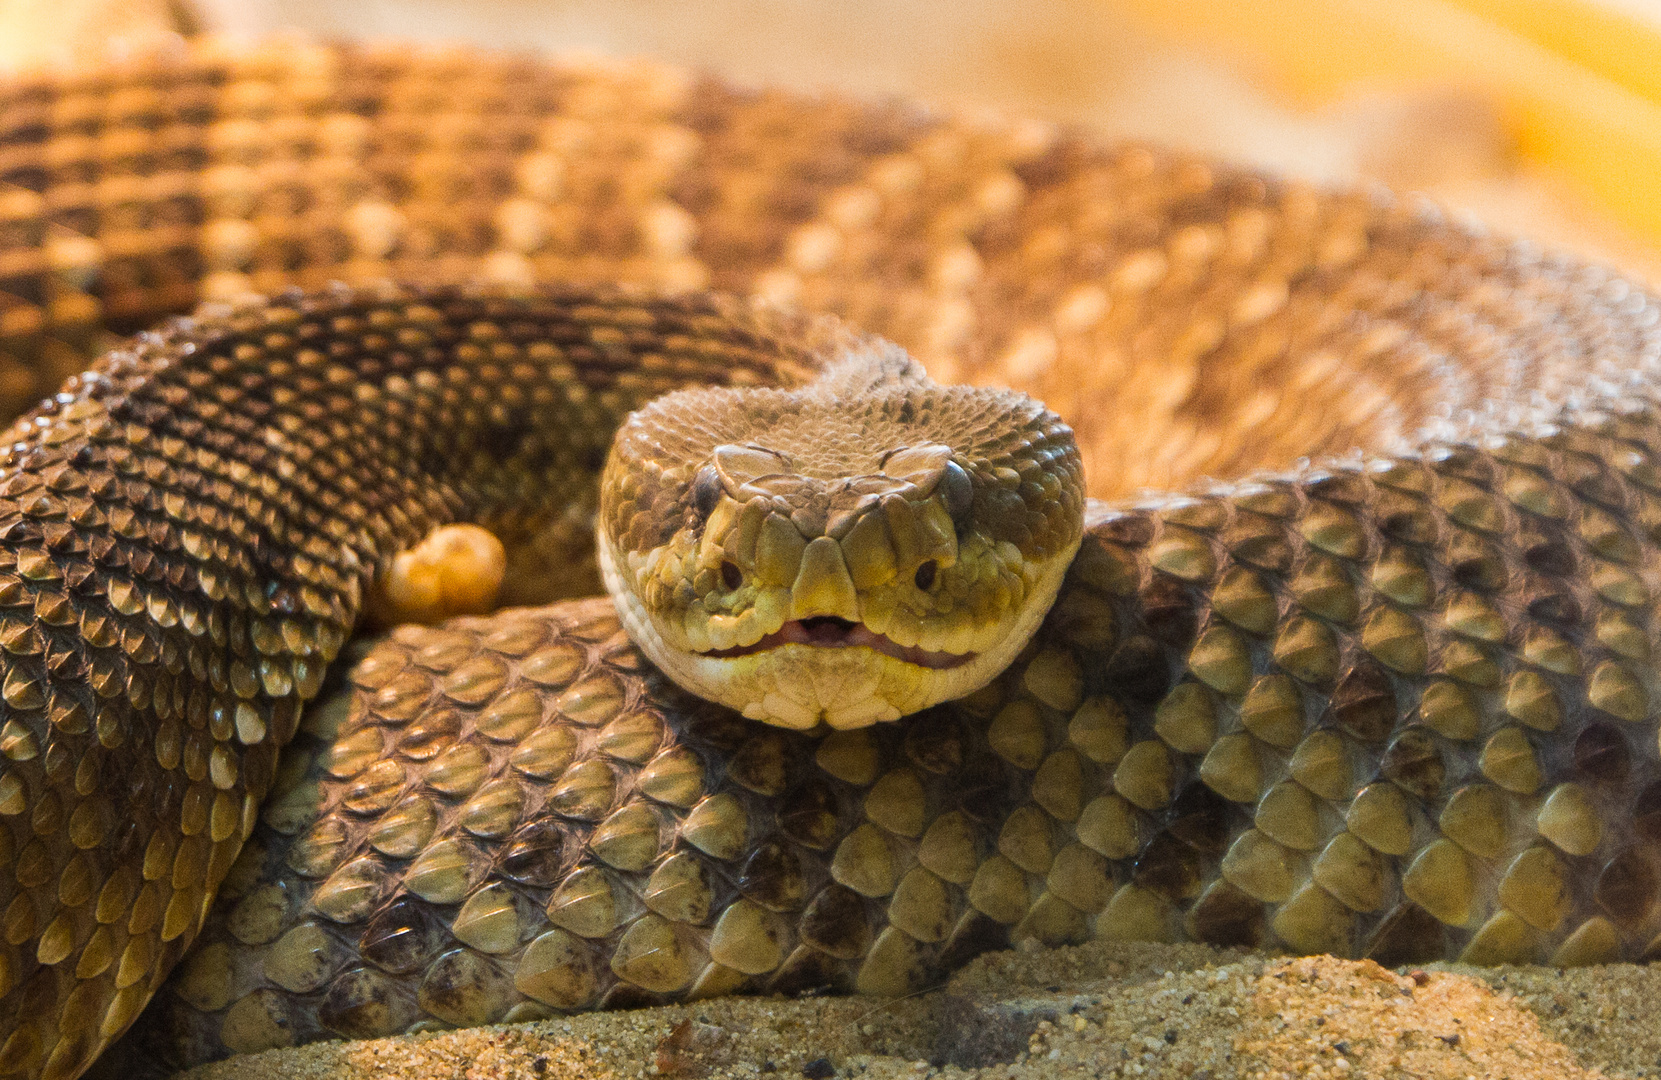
<point x="849" y="552"/>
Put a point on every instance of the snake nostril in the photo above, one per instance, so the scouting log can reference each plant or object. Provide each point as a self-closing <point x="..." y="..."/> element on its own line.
<point x="731" y="576"/>
<point x="925" y="575"/>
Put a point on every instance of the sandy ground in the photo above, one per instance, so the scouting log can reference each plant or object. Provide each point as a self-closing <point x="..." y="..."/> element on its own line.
<point x="1101" y="1010"/>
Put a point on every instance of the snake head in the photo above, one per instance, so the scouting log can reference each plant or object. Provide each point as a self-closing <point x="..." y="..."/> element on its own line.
<point x="847" y="552"/>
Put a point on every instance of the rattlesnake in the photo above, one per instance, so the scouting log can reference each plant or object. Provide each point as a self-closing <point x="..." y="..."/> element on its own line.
<point x="1396" y="703"/>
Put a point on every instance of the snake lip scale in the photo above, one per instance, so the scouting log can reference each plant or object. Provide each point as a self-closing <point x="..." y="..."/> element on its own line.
<point x="1397" y="701"/>
<point x="829" y="632"/>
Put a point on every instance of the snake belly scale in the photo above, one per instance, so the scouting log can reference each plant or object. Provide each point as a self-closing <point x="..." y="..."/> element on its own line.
<point x="1398" y="703"/>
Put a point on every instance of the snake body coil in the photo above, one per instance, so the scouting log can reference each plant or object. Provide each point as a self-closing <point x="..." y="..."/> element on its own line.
<point x="1398" y="704"/>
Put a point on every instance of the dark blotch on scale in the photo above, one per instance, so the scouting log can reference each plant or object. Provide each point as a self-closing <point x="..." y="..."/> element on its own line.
<point x="1601" y="754"/>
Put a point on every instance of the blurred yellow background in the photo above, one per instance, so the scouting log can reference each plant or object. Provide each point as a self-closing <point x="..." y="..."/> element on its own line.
<point x="1542" y="117"/>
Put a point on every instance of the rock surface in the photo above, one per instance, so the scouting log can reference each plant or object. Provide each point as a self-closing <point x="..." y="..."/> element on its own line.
<point x="1100" y="1010"/>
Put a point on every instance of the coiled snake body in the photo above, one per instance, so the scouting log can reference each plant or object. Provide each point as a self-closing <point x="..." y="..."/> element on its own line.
<point x="1395" y="704"/>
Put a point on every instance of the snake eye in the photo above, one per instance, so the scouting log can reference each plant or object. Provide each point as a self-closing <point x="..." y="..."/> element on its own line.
<point x="925" y="575"/>
<point x="731" y="576"/>
<point x="706" y="491"/>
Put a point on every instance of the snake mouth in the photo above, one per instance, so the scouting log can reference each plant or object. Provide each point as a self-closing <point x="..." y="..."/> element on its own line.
<point x="830" y="632"/>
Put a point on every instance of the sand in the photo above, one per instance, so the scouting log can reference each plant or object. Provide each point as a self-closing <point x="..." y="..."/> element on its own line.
<point x="1100" y="1010"/>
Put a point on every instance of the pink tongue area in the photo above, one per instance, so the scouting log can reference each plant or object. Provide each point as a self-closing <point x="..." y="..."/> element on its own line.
<point x="829" y="632"/>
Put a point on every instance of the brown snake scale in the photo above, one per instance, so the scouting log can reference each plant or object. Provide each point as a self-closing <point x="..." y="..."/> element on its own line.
<point x="1398" y="704"/>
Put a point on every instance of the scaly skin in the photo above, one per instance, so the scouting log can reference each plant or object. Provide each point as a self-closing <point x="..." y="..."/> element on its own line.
<point x="1397" y="705"/>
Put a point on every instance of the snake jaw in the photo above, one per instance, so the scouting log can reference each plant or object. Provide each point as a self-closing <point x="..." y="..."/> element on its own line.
<point x="801" y="674"/>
